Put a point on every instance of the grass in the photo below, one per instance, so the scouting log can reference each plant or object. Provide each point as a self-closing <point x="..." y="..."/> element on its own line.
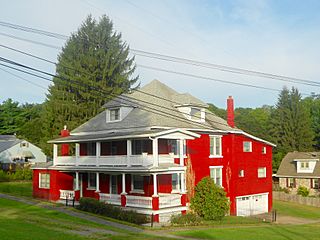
<point x="23" y="189"/>
<point x="274" y="232"/>
<point x="296" y="210"/>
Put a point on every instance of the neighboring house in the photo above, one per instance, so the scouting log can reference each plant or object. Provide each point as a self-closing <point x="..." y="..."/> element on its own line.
<point x="14" y="150"/>
<point x="300" y="169"/>
<point x="123" y="151"/>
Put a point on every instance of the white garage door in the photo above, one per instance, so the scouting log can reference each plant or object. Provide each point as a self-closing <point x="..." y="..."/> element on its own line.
<point x="252" y="204"/>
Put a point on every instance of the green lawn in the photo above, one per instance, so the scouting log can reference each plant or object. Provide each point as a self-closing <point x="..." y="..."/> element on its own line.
<point x="23" y="189"/>
<point x="296" y="210"/>
<point x="274" y="232"/>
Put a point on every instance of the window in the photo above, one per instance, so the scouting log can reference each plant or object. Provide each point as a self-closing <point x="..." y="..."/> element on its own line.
<point x="216" y="175"/>
<point x="24" y="144"/>
<point x="114" y="114"/>
<point x="304" y="165"/>
<point x="247" y="146"/>
<point x="175" y="182"/>
<point x="264" y="150"/>
<point x="241" y="173"/>
<point x="315" y="183"/>
<point x="291" y="182"/>
<point x="92" y="180"/>
<point x="215" y="146"/>
<point x="262" y="172"/>
<point x="137" y="183"/>
<point x="44" y="180"/>
<point x="140" y="146"/>
<point x="195" y="114"/>
<point x="113" y="184"/>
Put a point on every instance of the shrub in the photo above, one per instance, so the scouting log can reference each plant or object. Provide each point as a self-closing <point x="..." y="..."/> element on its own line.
<point x="4" y="177"/>
<point x="303" y="191"/>
<point x="209" y="201"/>
<point x="94" y="206"/>
<point x="189" y="219"/>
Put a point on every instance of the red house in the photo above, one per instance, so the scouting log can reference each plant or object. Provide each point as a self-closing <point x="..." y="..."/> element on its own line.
<point x="135" y="153"/>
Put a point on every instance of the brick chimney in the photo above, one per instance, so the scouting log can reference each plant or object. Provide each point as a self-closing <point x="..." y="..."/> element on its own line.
<point x="65" y="147"/>
<point x="230" y="112"/>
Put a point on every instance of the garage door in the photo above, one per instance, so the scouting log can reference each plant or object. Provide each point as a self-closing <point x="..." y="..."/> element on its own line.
<point x="252" y="204"/>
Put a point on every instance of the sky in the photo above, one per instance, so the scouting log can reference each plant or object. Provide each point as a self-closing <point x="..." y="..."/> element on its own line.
<point x="277" y="37"/>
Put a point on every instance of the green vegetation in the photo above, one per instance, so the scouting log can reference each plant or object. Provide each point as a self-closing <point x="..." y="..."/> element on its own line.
<point x="303" y="191"/>
<point x="23" y="189"/>
<point x="296" y="210"/>
<point x="18" y="175"/>
<point x="97" y="207"/>
<point x="209" y="201"/>
<point x="274" y="232"/>
<point x="189" y="219"/>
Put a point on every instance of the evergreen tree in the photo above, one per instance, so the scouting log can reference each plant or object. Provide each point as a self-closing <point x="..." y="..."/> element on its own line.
<point x="291" y="125"/>
<point x="94" y="56"/>
<point x="10" y="117"/>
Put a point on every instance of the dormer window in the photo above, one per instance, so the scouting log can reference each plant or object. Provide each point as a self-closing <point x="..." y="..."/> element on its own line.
<point x="304" y="165"/>
<point x="195" y="114"/>
<point x="113" y="115"/>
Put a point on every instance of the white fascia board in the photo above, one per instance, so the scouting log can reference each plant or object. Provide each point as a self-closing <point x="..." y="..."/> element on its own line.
<point x="306" y="159"/>
<point x="289" y="176"/>
<point x="253" y="137"/>
<point x="108" y="131"/>
<point x="170" y="131"/>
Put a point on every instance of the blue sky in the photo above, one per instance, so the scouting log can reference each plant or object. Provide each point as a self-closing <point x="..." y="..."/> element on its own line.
<point x="279" y="37"/>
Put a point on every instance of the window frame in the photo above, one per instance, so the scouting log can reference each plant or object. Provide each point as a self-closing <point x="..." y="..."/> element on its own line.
<point x="113" y="183"/>
<point x="264" y="150"/>
<point x="175" y="188"/>
<point x="293" y="182"/>
<point x="45" y="181"/>
<point x="109" y="114"/>
<point x="136" y="190"/>
<point x="214" y="169"/>
<point x="314" y="184"/>
<point x="304" y="165"/>
<point x="264" y="172"/>
<point x="250" y="146"/>
<point x="90" y="185"/>
<point x="241" y="173"/>
<point x="213" y="146"/>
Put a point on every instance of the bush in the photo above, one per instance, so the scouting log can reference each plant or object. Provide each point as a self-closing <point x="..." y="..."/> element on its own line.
<point x="209" y="201"/>
<point x="189" y="219"/>
<point x="94" y="206"/>
<point x="303" y="191"/>
<point x="4" y="177"/>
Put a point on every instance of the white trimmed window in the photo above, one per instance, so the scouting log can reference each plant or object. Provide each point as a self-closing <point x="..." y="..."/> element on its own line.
<point x="241" y="173"/>
<point x="264" y="150"/>
<point x="304" y="165"/>
<point x="92" y="180"/>
<point x="315" y="183"/>
<point x="175" y="182"/>
<point x="216" y="174"/>
<point x="113" y="184"/>
<point x="262" y="172"/>
<point x="137" y="183"/>
<point x="215" y="146"/>
<point x="113" y="115"/>
<point x="247" y="146"/>
<point x="44" y="180"/>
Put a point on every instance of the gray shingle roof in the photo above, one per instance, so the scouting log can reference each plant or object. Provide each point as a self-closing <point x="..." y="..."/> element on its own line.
<point x="8" y="141"/>
<point x="288" y="166"/>
<point x="142" y="116"/>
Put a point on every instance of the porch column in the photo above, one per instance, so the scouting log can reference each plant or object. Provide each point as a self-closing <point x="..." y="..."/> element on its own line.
<point x="77" y="153"/>
<point x="77" y="181"/>
<point x="129" y="152"/>
<point x="98" y="148"/>
<point x="181" y="152"/>
<point x="155" y="152"/>
<point x="155" y="185"/>
<point x="123" y="194"/>
<point x="183" y="183"/>
<point x="97" y="182"/>
<point x="55" y="153"/>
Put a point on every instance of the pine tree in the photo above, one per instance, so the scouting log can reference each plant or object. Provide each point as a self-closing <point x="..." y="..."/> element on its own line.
<point x="93" y="58"/>
<point x="291" y="125"/>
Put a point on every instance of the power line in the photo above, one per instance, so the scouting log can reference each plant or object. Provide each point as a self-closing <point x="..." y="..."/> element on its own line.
<point x="126" y="98"/>
<point x="183" y="61"/>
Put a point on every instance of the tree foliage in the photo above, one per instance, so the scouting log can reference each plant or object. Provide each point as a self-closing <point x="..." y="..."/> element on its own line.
<point x="209" y="201"/>
<point x="93" y="67"/>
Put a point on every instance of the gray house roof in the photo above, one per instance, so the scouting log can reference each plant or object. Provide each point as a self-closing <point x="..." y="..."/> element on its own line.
<point x="8" y="141"/>
<point x="288" y="166"/>
<point x="148" y="111"/>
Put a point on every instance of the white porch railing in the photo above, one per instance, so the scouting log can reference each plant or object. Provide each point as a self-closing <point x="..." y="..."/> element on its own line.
<point x="139" y="201"/>
<point x="141" y="160"/>
<point x="67" y="194"/>
<point x="170" y="200"/>
<point x="86" y="161"/>
<point x="119" y="160"/>
<point x="114" y="199"/>
<point x="65" y="161"/>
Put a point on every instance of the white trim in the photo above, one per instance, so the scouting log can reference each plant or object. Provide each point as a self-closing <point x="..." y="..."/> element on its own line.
<point x="265" y="172"/>
<point x="221" y="174"/>
<point x="108" y="114"/>
<point x="250" y="146"/>
<point x="40" y="176"/>
<point x="110" y="183"/>
<point x="256" y="194"/>
<point x="215" y="155"/>
<point x="132" y="185"/>
<point x="306" y="160"/>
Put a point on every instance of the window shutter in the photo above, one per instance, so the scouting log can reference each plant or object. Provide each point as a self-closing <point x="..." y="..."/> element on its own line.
<point x="287" y="182"/>
<point x="311" y="183"/>
<point x="294" y="183"/>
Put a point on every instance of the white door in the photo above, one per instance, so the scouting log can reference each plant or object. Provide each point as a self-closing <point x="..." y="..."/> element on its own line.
<point x="252" y="205"/>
